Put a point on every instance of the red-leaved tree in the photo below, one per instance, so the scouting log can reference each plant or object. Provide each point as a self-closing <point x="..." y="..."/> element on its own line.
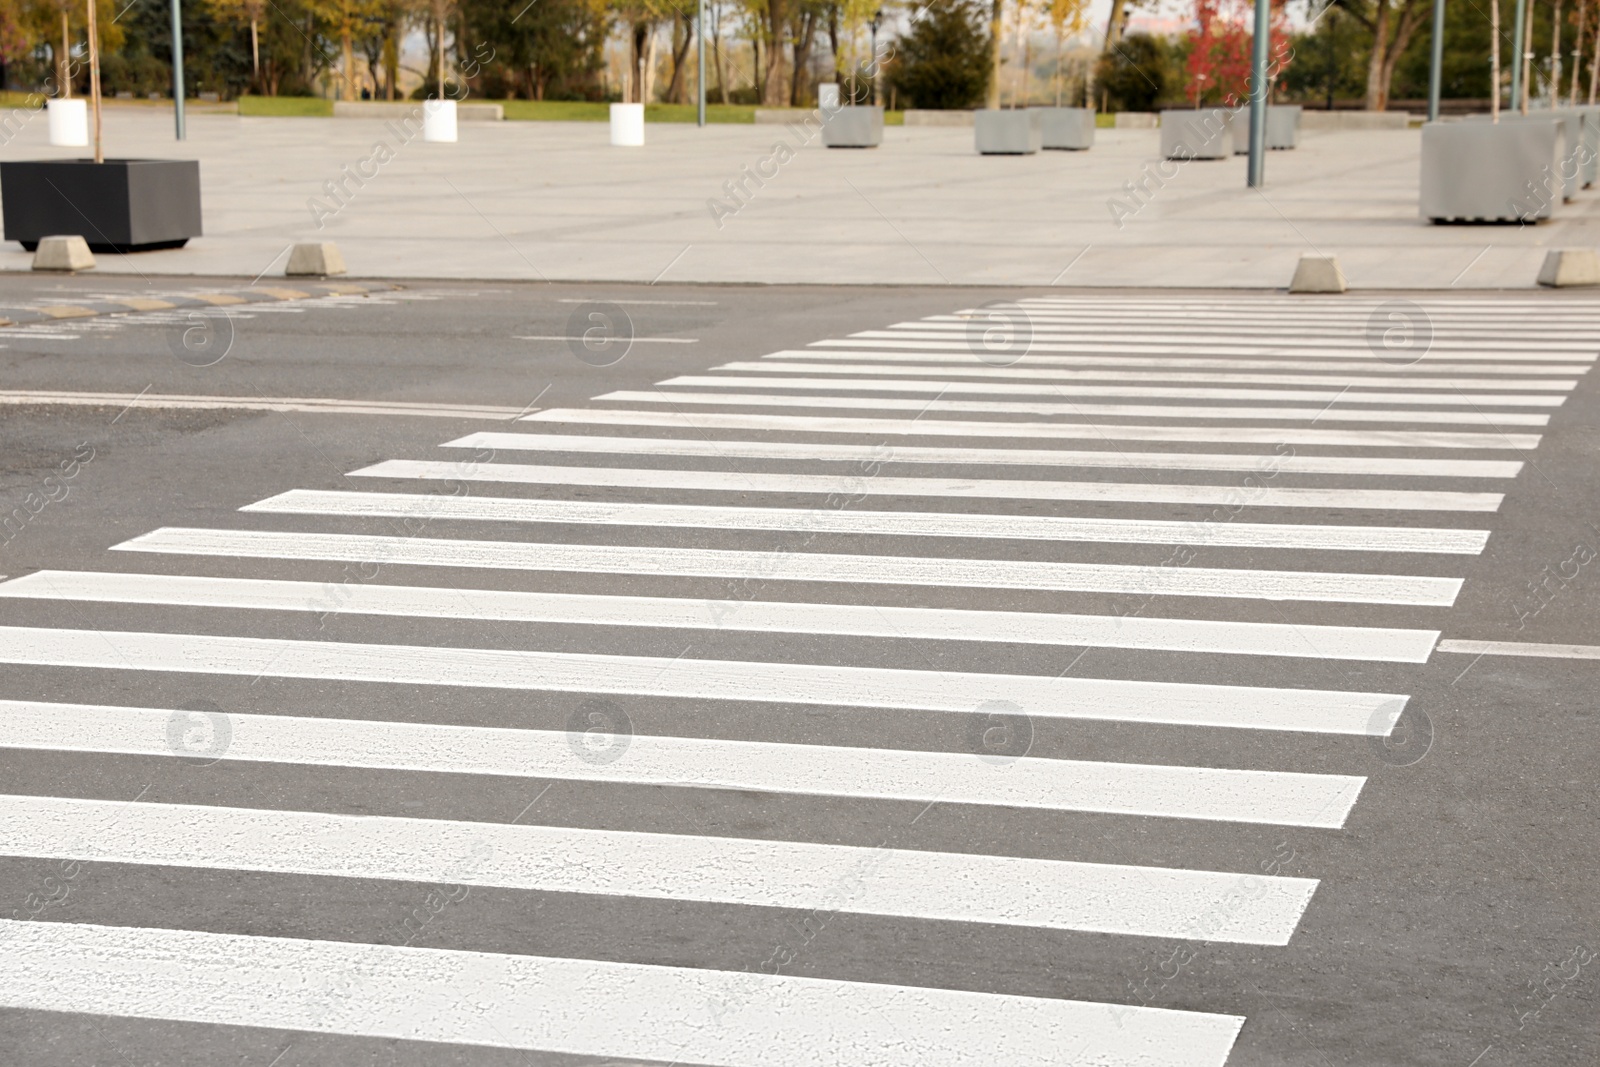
<point x="1219" y="50"/>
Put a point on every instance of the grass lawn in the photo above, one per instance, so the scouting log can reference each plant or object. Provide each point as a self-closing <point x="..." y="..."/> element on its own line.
<point x="285" y="105"/>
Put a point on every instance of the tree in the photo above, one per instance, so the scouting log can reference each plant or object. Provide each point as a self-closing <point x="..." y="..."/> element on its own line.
<point x="1068" y="19"/>
<point x="1133" y="76"/>
<point x="52" y="20"/>
<point x="944" y="62"/>
<point x="1393" y="24"/>
<point x="346" y="20"/>
<point x="244" y="11"/>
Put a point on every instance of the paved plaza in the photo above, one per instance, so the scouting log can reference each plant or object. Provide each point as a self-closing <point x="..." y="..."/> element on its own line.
<point x="554" y="201"/>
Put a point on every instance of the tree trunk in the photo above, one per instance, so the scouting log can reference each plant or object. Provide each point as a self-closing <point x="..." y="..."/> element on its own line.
<point x="1577" y="52"/>
<point x="648" y="86"/>
<point x="803" y="43"/>
<point x="347" y="47"/>
<point x="64" y="60"/>
<point x="720" y="61"/>
<point x="992" y="98"/>
<point x="678" y="88"/>
<point x="1377" y="84"/>
<point x="1119" y="10"/>
<point x="775" y="92"/>
<point x="255" y="54"/>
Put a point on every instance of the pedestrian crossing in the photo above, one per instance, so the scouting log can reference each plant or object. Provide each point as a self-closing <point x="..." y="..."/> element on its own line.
<point x="817" y="537"/>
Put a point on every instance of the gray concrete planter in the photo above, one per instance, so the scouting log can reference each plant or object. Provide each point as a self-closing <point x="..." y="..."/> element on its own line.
<point x="1578" y="137"/>
<point x="1203" y="134"/>
<point x="1283" y="128"/>
<point x="853" y="127"/>
<point x="1067" y="128"/>
<point x="121" y="205"/>
<point x="1007" y="133"/>
<point x="1484" y="172"/>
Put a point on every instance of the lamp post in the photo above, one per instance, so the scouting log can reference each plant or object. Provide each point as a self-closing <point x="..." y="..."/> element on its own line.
<point x="177" y="65"/>
<point x="1436" y="61"/>
<point x="1258" y="94"/>
<point x="700" y="61"/>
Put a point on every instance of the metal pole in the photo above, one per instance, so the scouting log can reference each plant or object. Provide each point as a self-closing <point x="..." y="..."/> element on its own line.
<point x="177" y="65"/>
<point x="1436" y="61"/>
<point x="1258" y="93"/>
<point x="1516" y="52"/>
<point x="700" y="63"/>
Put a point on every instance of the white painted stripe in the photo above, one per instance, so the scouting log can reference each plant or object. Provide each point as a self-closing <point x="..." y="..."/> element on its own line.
<point x="1363" y="365"/>
<point x="975" y="369"/>
<point x="887" y="523"/>
<point x="920" y="427"/>
<point x="899" y="883"/>
<point x="869" y="456"/>
<point x="1475" y="338"/>
<point x="1040" y="407"/>
<point x="1525" y="321"/>
<point x="757" y="616"/>
<point x="1269" y="797"/>
<point x="1221" y="349"/>
<point x="945" y="488"/>
<point x="1323" y="586"/>
<point x="1184" y="704"/>
<point x="944" y="387"/>
<point x="1519" y="648"/>
<point x="650" y="1012"/>
<point x="245" y="403"/>
<point x="618" y="340"/>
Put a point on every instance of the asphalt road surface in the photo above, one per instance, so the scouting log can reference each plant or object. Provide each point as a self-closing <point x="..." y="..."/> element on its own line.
<point x="556" y="674"/>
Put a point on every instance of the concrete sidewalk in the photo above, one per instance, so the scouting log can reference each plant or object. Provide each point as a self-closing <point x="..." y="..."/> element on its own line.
<point x="555" y="201"/>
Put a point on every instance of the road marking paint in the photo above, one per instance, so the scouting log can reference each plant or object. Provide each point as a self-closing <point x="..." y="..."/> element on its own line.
<point x="1042" y="407"/>
<point x="920" y="427"/>
<point x="887" y="523"/>
<point x="975" y="369"/>
<point x="1520" y="648"/>
<point x="1269" y="797"/>
<point x="743" y="566"/>
<point x="1277" y="462"/>
<point x="1357" y="366"/>
<point x="947" y="386"/>
<point x="619" y="340"/>
<point x="1185" y="347"/>
<point x="755" y="616"/>
<point x="652" y="1012"/>
<point x="863" y="484"/>
<point x="900" y="883"/>
<point x="1176" y="703"/>
<point x="244" y="403"/>
<point x="1037" y="327"/>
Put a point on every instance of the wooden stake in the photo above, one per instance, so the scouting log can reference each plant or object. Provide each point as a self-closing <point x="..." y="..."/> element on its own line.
<point x="94" y="80"/>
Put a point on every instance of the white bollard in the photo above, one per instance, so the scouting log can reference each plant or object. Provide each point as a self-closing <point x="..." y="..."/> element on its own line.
<point x="69" y="123"/>
<point x="439" y="121"/>
<point x="627" y="125"/>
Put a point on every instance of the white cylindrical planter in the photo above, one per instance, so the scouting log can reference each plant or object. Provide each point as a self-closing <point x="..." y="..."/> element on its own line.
<point x="828" y="96"/>
<point x="439" y="120"/>
<point x="627" y="125"/>
<point x="69" y="122"/>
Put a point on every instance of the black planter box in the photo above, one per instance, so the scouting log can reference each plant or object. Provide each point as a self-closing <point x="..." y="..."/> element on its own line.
<point x="121" y="205"/>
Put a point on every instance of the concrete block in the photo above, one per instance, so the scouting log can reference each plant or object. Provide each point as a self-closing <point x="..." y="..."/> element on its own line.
<point x="317" y="260"/>
<point x="1570" y="267"/>
<point x="853" y="127"/>
<point x="1197" y="134"/>
<point x="1283" y="128"/>
<point x="1069" y="128"/>
<point x="400" y="109"/>
<point x="1317" y="274"/>
<point x="1491" y="172"/>
<point x="1574" y="172"/>
<point x="1135" y="120"/>
<point x="779" y="116"/>
<point x="1013" y="132"/>
<point x="70" y="253"/>
<point x="915" y="117"/>
<point x="1323" y="121"/>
